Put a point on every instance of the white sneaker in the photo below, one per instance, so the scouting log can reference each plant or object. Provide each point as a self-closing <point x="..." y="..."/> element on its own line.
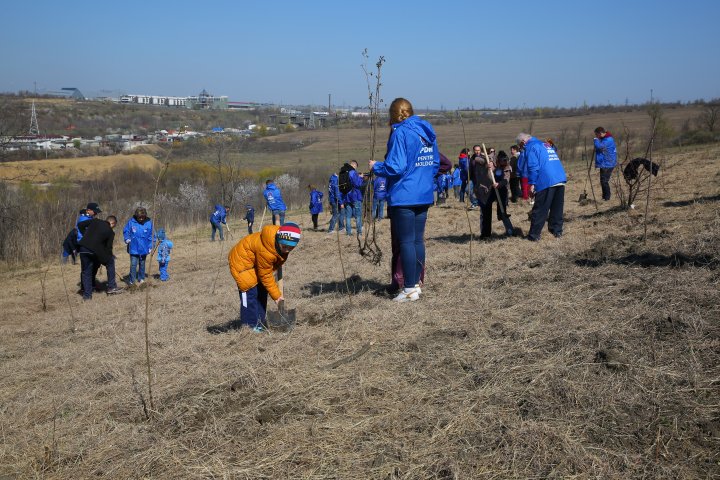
<point x="407" y="296"/>
<point x="417" y="288"/>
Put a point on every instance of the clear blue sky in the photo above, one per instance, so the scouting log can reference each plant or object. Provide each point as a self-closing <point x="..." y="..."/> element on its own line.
<point x="441" y="53"/>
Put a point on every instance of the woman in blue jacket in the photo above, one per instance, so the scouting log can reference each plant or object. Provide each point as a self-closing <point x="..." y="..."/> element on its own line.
<point x="605" y="159"/>
<point x="316" y="206"/>
<point x="410" y="165"/>
<point x="138" y="235"/>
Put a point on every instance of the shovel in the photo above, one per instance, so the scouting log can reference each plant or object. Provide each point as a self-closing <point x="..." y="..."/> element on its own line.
<point x="282" y="320"/>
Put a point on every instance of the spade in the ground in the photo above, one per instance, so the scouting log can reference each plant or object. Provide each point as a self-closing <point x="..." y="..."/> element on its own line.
<point x="283" y="319"/>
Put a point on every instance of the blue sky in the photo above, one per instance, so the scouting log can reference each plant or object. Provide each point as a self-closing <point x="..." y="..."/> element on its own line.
<point x="447" y="54"/>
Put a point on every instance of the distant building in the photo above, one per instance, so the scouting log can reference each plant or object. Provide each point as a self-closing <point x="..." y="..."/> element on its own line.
<point x="71" y="93"/>
<point x="243" y="105"/>
<point x="206" y="101"/>
<point x="154" y="100"/>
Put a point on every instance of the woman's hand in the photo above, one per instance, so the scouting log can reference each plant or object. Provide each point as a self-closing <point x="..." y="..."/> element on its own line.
<point x="371" y="163"/>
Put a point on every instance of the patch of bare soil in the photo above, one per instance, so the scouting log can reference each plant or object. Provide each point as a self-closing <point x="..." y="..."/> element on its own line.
<point x="591" y="356"/>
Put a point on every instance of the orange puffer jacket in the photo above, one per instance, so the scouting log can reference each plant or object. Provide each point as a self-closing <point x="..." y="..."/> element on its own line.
<point x="254" y="259"/>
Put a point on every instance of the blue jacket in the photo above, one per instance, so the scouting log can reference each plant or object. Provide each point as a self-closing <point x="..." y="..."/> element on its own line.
<point x="81" y="218"/>
<point x="218" y="216"/>
<point x="273" y="197"/>
<point x="163" y="251"/>
<point x="164" y="247"/>
<point x="334" y="195"/>
<point x="316" y="205"/>
<point x="355" y="194"/>
<point x="457" y="180"/>
<point x="541" y="165"/>
<point x="605" y="152"/>
<point x="411" y="162"/>
<point x="380" y="188"/>
<point x="464" y="166"/>
<point x="138" y="236"/>
<point x="250" y="215"/>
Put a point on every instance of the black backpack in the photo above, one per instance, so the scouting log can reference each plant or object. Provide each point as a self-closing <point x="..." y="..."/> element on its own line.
<point x="344" y="183"/>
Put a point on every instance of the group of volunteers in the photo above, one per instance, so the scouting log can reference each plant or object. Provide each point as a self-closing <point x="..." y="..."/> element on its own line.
<point x="411" y="178"/>
<point x="92" y="240"/>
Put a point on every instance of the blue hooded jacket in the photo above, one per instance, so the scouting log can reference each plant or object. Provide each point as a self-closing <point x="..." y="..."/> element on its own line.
<point x="273" y="197"/>
<point x="541" y="165"/>
<point x="457" y="181"/>
<point x="140" y="236"/>
<point x="334" y="195"/>
<point x="164" y="247"/>
<point x="411" y="162"/>
<point x="316" y="205"/>
<point x="218" y="216"/>
<point x="464" y="168"/>
<point x="81" y="218"/>
<point x="355" y="194"/>
<point x="380" y="188"/>
<point x="605" y="151"/>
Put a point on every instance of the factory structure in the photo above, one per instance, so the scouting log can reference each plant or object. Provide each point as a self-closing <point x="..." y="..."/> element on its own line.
<point x="201" y="101"/>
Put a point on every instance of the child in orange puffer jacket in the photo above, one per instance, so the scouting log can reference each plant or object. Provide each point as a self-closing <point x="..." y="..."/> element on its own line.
<point x="253" y="262"/>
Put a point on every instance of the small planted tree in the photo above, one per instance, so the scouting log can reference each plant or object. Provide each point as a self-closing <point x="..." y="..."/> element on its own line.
<point x="368" y="246"/>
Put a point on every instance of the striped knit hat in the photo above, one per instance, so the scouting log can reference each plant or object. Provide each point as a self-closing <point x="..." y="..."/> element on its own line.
<point x="289" y="234"/>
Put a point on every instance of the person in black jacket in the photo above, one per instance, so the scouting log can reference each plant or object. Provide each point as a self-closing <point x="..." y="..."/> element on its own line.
<point x="70" y="246"/>
<point x="96" y="248"/>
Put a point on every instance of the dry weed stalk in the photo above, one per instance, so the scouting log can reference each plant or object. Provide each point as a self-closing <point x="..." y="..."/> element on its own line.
<point x="590" y="163"/>
<point x="71" y="324"/>
<point x="467" y="183"/>
<point x="43" y="297"/>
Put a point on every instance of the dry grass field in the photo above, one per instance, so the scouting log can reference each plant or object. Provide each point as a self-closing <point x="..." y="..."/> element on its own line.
<point x="42" y="171"/>
<point x="591" y="356"/>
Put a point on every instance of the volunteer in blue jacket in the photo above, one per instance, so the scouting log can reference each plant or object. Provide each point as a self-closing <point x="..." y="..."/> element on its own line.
<point x="541" y="165"/>
<point x="379" y="196"/>
<point x="464" y="172"/>
<point x="353" y="200"/>
<point x="605" y="159"/>
<point x="275" y="203"/>
<point x="336" y="204"/>
<point x="217" y="219"/>
<point x="316" y="206"/>
<point x="138" y="235"/>
<point x="410" y="165"/>
<point x="456" y="181"/>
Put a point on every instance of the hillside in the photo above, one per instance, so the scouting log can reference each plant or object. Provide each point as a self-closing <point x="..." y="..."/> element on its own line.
<point x="83" y="168"/>
<point x="333" y="146"/>
<point x="591" y="356"/>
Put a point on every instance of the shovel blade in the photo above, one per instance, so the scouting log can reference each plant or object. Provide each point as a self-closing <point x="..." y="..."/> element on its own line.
<point x="282" y="321"/>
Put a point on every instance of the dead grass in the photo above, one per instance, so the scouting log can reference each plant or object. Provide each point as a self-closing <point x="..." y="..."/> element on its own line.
<point x="40" y="171"/>
<point x="592" y="356"/>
